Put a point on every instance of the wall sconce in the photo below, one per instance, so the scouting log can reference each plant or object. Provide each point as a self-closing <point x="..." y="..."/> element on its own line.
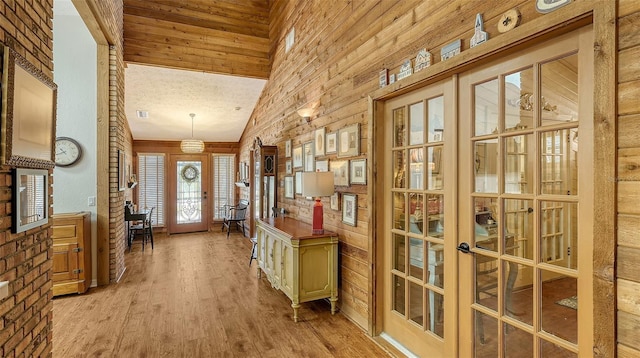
<point x="306" y="113"/>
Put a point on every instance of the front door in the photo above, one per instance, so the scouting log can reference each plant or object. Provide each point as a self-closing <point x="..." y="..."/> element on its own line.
<point x="487" y="242"/>
<point x="188" y="193"/>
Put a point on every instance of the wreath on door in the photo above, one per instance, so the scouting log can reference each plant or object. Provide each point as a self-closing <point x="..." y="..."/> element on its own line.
<point x="189" y="173"/>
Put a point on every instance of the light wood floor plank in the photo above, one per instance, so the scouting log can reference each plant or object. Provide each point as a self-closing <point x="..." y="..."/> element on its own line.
<point x="195" y="295"/>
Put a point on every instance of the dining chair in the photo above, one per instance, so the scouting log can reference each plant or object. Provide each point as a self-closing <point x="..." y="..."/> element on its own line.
<point x="236" y="214"/>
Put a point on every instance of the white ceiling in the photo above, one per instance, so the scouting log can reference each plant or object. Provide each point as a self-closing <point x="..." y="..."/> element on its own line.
<point x="222" y="104"/>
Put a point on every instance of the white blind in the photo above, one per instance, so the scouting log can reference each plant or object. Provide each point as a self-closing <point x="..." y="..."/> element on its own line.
<point x="223" y="183"/>
<point x="151" y="182"/>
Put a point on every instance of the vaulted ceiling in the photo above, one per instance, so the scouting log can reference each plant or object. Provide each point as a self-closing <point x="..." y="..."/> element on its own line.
<point x="218" y="39"/>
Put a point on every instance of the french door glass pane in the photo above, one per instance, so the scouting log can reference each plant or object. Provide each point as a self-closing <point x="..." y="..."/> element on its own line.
<point x="485" y="153"/>
<point x="486" y="336"/>
<point x="398" y="294"/>
<point x="417" y="168"/>
<point x="435" y="110"/>
<point x="559" y="306"/>
<point x="435" y="313"/>
<point x="399" y="168"/>
<point x="486" y="279"/>
<point x="559" y="162"/>
<point x="519" y="100"/>
<point x="399" y="252"/>
<point x="416" y="293"/>
<point x="519" y="343"/>
<point x="435" y="170"/>
<point x="416" y="123"/>
<point x="518" y="291"/>
<point x="518" y="219"/>
<point x="399" y="127"/>
<point x="435" y="264"/>
<point x="416" y="258"/>
<point x="559" y="89"/>
<point x="399" y="216"/>
<point x="559" y="234"/>
<point x="435" y="215"/>
<point x="486" y="107"/>
<point x="189" y="192"/>
<point x="548" y="349"/>
<point x="518" y="172"/>
<point x="486" y="223"/>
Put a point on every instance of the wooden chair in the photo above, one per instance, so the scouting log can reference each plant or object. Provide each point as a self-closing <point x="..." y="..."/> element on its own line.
<point x="236" y="214"/>
<point x="144" y="229"/>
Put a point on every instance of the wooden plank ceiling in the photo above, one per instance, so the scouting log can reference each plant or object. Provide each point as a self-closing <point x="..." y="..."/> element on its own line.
<point x="218" y="36"/>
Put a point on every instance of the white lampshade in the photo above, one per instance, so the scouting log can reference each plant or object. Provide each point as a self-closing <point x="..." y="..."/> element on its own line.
<point x="317" y="184"/>
<point x="192" y="146"/>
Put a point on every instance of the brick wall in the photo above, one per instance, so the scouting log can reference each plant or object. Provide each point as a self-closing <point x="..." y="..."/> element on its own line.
<point x="25" y="258"/>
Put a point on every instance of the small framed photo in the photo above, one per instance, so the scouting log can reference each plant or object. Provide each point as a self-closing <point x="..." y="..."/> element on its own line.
<point x="332" y="143"/>
<point x="297" y="157"/>
<point x="308" y="157"/>
<point x="340" y="169"/>
<point x="349" y="141"/>
<point x="322" y="165"/>
<point x="358" y="171"/>
<point x="298" y="184"/>
<point x="319" y="140"/>
<point x="288" y="187"/>
<point x="335" y="201"/>
<point x="122" y="176"/>
<point x="289" y="166"/>
<point x="287" y="149"/>
<point x="349" y="209"/>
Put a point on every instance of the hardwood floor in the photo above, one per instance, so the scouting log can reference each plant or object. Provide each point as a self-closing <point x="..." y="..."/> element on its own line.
<point x="195" y="295"/>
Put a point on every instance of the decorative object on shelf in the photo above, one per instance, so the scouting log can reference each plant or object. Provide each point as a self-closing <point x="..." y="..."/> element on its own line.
<point x="405" y="70"/>
<point x="349" y="141"/>
<point x="192" y="145"/>
<point x="30" y="199"/>
<point x="67" y="151"/>
<point x="317" y="184"/>
<point x="287" y="148"/>
<point x="450" y="50"/>
<point x="332" y="143"/>
<point x="546" y="6"/>
<point x="308" y="157"/>
<point x="349" y="209"/>
<point x="122" y="176"/>
<point x="383" y="77"/>
<point x="423" y="60"/>
<point x="319" y="141"/>
<point x="297" y="157"/>
<point x="479" y="35"/>
<point x="28" y="113"/>
<point x="340" y="169"/>
<point x="298" y="184"/>
<point x="392" y="78"/>
<point x="306" y="114"/>
<point x="289" y="167"/>
<point x="335" y="201"/>
<point x="509" y="20"/>
<point x="358" y="171"/>
<point x="288" y="187"/>
<point x="322" y="165"/>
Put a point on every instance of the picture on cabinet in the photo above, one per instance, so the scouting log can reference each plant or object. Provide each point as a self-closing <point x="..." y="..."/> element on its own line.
<point x="297" y="157"/>
<point x="340" y="169"/>
<point x="319" y="141"/>
<point x="332" y="143"/>
<point x="349" y="141"/>
<point x="349" y="209"/>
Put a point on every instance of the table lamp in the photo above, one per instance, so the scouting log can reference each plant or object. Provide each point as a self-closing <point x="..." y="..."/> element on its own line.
<point x="317" y="184"/>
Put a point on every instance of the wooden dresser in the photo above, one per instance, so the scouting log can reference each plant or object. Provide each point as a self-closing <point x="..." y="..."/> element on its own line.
<point x="302" y="265"/>
<point x="71" y="252"/>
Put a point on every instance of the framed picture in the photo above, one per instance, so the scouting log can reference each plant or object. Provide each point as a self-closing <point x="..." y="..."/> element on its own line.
<point x="28" y="113"/>
<point x="122" y="176"/>
<point x="349" y="209"/>
<point x="287" y="148"/>
<point x="335" y="201"/>
<point x="289" y="166"/>
<point x="340" y="169"/>
<point x="319" y="141"/>
<point x="349" y="141"/>
<point x="298" y="186"/>
<point x="30" y="199"/>
<point x="297" y="157"/>
<point x="288" y="187"/>
<point x="332" y="143"/>
<point x="308" y="157"/>
<point x="322" y="165"/>
<point x="358" y="171"/>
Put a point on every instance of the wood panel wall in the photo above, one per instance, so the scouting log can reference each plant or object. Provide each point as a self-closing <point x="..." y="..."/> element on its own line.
<point x="226" y="37"/>
<point x="628" y="260"/>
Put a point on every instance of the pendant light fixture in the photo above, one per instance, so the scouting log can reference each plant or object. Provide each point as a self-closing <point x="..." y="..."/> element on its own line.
<point x="192" y="145"/>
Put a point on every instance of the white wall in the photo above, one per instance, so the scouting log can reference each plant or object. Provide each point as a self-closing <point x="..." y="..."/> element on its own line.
<point x="74" y="71"/>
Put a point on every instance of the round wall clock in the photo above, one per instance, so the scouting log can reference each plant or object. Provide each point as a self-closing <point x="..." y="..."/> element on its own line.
<point x="68" y="151"/>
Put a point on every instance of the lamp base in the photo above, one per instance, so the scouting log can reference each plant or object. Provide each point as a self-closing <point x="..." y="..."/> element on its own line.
<point x="317" y="218"/>
<point x="317" y="231"/>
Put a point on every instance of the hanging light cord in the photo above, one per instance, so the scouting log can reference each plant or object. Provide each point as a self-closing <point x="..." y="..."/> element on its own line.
<point x="192" y="115"/>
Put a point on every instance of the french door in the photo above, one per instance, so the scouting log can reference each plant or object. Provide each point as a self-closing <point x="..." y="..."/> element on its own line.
<point x="188" y="193"/>
<point x="487" y="242"/>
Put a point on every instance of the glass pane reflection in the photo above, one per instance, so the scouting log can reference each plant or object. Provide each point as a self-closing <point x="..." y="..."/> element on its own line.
<point x="435" y="108"/>
<point x="559" y="311"/>
<point x="519" y="343"/>
<point x="399" y="206"/>
<point x="398" y="294"/>
<point x="559" y="101"/>
<point x="417" y="168"/>
<point x="399" y="252"/>
<point x="559" y="162"/>
<point x="518" y="100"/>
<point x="435" y="315"/>
<point x="399" y="127"/>
<point x="518" y="172"/>
<point x="416" y="123"/>
<point x="518" y="220"/>
<point x="518" y="286"/>
<point x="485" y="153"/>
<point x="435" y="172"/>
<point x="559" y="234"/>
<point x="399" y="168"/>
<point x="486" y="336"/>
<point x="486" y="107"/>
<point x="486" y="279"/>
<point x="416" y="297"/>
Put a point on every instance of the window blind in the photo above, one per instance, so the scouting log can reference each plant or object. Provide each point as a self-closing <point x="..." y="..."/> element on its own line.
<point x="223" y="183"/>
<point x="151" y="185"/>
